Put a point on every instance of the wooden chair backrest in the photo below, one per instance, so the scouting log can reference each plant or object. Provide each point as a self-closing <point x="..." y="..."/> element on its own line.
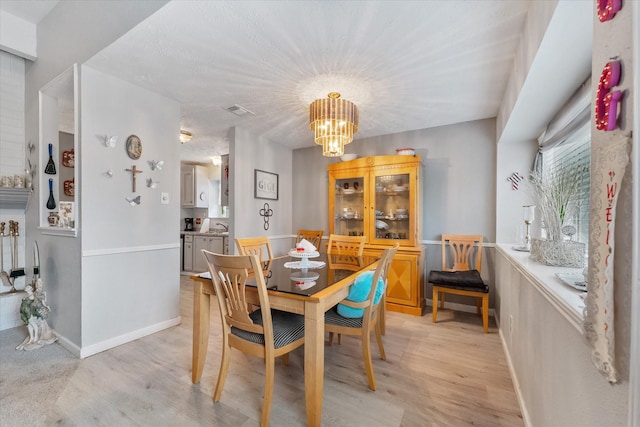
<point x="259" y="246"/>
<point x="465" y="250"/>
<point x="229" y="274"/>
<point x="345" y="252"/>
<point x="312" y="236"/>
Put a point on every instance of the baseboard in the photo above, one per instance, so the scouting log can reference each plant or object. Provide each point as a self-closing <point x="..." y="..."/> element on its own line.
<point x="514" y="379"/>
<point x="128" y="337"/>
<point x="73" y="349"/>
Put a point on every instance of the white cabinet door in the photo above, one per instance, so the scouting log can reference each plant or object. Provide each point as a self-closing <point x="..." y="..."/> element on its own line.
<point x="199" y="262"/>
<point x="216" y="245"/>
<point x="211" y="244"/>
<point x="188" y="253"/>
<point x="187" y="187"/>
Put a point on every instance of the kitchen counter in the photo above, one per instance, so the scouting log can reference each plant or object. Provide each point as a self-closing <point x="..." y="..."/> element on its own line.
<point x="210" y="233"/>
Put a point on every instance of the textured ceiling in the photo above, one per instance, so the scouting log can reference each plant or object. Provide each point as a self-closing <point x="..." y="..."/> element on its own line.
<point x="406" y="64"/>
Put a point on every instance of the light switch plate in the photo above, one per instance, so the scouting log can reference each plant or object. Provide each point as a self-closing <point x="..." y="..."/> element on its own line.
<point x="164" y="198"/>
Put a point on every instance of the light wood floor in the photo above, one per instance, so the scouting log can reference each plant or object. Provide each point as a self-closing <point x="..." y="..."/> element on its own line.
<point x="447" y="374"/>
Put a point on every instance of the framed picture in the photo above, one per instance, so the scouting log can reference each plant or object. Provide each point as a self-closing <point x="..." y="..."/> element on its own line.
<point x="134" y="147"/>
<point x="265" y="185"/>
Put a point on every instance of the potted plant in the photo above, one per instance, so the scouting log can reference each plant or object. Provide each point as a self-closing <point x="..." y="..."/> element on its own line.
<point x="555" y="197"/>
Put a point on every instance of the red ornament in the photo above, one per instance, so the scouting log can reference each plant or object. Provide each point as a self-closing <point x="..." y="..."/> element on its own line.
<point x="607" y="9"/>
<point x="607" y="101"/>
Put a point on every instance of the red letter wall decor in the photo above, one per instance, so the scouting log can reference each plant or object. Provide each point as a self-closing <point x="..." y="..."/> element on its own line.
<point x="607" y="9"/>
<point x="607" y="101"/>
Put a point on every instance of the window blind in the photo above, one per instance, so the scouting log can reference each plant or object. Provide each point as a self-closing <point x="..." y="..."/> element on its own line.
<point x="575" y="151"/>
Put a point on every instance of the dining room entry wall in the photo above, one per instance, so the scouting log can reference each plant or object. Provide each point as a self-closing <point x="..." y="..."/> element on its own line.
<point x="248" y="152"/>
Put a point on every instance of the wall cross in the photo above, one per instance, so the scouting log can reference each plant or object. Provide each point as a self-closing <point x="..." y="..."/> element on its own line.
<point x="134" y="172"/>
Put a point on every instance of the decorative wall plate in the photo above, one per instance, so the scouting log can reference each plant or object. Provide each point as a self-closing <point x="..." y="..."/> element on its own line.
<point x="134" y="147"/>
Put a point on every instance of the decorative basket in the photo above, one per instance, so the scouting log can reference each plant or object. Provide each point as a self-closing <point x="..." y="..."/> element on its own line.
<point x="563" y="253"/>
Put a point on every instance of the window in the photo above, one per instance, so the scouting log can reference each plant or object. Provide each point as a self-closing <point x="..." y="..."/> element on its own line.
<point x="563" y="164"/>
<point x="575" y="152"/>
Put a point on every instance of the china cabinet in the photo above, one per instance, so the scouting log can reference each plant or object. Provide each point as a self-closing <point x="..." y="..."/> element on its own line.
<point x="379" y="197"/>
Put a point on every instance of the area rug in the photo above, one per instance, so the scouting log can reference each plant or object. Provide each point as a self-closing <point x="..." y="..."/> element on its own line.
<point x="31" y="381"/>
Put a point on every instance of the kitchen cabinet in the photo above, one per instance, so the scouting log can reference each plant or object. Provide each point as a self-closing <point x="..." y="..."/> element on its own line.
<point x="187" y="252"/>
<point x="211" y="244"/>
<point x="380" y="197"/>
<point x="194" y="186"/>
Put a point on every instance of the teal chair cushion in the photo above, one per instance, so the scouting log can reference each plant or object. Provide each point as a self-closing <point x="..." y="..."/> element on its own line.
<point x="359" y="292"/>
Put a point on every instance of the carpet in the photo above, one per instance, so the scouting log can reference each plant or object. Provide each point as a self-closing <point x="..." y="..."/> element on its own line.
<point x="31" y="381"/>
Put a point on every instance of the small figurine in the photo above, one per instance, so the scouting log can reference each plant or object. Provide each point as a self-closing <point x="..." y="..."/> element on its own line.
<point x="33" y="312"/>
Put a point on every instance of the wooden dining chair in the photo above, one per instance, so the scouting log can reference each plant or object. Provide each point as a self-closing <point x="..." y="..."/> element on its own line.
<point x="460" y="274"/>
<point x="255" y="246"/>
<point x="265" y="333"/>
<point x="344" y="252"/>
<point x="362" y="308"/>
<point x="312" y="236"/>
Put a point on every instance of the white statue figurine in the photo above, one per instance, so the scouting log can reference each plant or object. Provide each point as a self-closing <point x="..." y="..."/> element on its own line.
<point x="33" y="312"/>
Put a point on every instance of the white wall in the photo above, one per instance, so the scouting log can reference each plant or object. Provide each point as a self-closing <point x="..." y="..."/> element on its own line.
<point x="551" y="363"/>
<point x="12" y="150"/>
<point x="58" y="49"/>
<point x="130" y="254"/>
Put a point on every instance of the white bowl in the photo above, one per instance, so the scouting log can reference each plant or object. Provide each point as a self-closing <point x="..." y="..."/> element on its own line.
<point x="406" y="151"/>
<point x="401" y="211"/>
<point x="381" y="225"/>
<point x="347" y="157"/>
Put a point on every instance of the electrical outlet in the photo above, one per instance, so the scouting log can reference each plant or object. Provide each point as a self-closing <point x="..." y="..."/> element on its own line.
<point x="164" y="198"/>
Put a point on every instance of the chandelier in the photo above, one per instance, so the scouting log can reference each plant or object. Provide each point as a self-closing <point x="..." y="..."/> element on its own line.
<point x="185" y="136"/>
<point x="334" y="121"/>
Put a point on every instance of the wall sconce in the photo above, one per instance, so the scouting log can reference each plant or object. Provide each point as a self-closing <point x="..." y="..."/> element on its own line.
<point x="185" y="136"/>
<point x="216" y="160"/>
<point x="110" y="141"/>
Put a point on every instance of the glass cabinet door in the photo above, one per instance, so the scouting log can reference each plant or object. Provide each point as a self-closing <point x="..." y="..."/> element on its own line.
<point x="349" y="211"/>
<point x="393" y="213"/>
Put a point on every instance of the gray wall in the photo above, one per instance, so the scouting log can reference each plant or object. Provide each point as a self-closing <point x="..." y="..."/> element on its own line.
<point x="247" y="153"/>
<point x="459" y="178"/>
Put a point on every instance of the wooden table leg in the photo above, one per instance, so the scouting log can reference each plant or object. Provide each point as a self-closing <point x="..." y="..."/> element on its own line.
<point x="313" y="362"/>
<point x="201" y="304"/>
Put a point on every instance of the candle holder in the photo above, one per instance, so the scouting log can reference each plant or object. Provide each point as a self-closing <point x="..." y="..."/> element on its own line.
<point x="529" y="216"/>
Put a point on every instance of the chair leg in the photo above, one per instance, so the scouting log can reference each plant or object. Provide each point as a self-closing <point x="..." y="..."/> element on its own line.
<point x="268" y="391"/>
<point x="366" y="355"/>
<point x="434" y="305"/>
<point x="442" y="300"/>
<point x="485" y="313"/>
<point x="378" y="331"/>
<point x="330" y="339"/>
<point x="285" y="359"/>
<point x="478" y="301"/>
<point x="222" y="374"/>
<point x="339" y="339"/>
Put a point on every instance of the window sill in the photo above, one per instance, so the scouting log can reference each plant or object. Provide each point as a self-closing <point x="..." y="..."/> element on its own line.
<point x="568" y="301"/>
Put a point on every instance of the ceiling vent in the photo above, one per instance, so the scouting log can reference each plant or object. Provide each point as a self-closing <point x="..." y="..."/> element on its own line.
<point x="238" y="110"/>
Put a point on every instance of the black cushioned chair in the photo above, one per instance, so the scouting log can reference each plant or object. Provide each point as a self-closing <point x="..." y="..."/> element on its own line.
<point x="460" y="273"/>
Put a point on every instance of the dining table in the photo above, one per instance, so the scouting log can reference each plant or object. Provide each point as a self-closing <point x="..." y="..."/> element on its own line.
<point x="309" y="291"/>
